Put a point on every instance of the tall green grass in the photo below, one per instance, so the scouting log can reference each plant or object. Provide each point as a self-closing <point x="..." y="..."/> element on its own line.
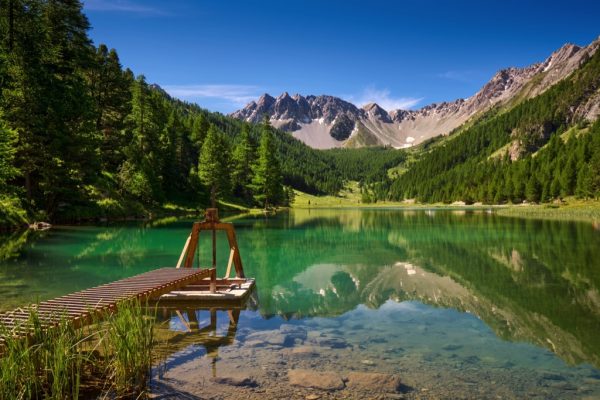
<point x="129" y="340"/>
<point x="48" y="365"/>
<point x="18" y="375"/>
<point x="113" y="356"/>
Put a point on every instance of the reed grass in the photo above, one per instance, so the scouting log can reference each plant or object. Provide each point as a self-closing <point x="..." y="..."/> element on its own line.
<point x="18" y="378"/>
<point x="113" y="356"/>
<point x="129" y="339"/>
<point x="46" y="366"/>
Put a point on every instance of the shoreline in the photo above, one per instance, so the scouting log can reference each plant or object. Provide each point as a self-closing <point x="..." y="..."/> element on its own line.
<point x="570" y="209"/>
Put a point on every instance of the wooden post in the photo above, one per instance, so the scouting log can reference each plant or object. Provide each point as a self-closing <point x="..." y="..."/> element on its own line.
<point x="212" y="217"/>
<point x="213" y="280"/>
<point x="213" y="319"/>
<point x="193" y="319"/>
<point x="185" y="247"/>
<point x="231" y="255"/>
<point x="237" y="260"/>
<point x="183" y="321"/>
<point x="189" y="261"/>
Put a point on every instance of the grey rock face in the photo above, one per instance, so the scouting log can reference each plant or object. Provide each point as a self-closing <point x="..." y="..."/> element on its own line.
<point x="342" y="127"/>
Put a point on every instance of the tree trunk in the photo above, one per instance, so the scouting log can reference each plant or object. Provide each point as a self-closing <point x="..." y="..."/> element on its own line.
<point x="28" y="187"/>
<point x="11" y="25"/>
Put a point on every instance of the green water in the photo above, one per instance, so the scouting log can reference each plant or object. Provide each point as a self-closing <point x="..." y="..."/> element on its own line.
<point x="502" y="306"/>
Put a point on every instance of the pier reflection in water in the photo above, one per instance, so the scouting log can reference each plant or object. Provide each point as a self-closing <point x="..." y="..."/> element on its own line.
<point x="187" y="330"/>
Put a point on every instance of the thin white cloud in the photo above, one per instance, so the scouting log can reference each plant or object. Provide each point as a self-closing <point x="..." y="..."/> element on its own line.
<point x="384" y="99"/>
<point x="460" y="76"/>
<point x="237" y="95"/>
<point x="123" y="6"/>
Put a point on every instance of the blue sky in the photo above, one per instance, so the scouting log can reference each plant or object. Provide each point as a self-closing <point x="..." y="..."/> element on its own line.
<point x="400" y="54"/>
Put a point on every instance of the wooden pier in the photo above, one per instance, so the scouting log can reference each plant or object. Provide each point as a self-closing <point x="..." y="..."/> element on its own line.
<point x="187" y="284"/>
<point x="83" y="307"/>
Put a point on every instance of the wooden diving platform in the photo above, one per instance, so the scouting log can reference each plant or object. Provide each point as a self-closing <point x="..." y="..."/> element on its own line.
<point x="84" y="307"/>
<point x="230" y="292"/>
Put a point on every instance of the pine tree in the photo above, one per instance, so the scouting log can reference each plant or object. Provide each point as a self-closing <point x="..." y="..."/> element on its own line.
<point x="585" y="184"/>
<point x="175" y="154"/>
<point x="8" y="143"/>
<point x="242" y="159"/>
<point x="555" y="187"/>
<point x="568" y="177"/>
<point x="213" y="164"/>
<point x="199" y="130"/>
<point x="46" y="99"/>
<point x="266" y="183"/>
<point x="110" y="89"/>
<point x="22" y="86"/>
<point x="533" y="189"/>
<point x="594" y="164"/>
<point x="144" y="151"/>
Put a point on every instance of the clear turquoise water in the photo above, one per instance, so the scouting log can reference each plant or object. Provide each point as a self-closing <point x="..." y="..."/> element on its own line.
<point x="454" y="301"/>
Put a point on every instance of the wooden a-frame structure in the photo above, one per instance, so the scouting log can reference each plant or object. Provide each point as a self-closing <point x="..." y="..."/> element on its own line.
<point x="212" y="223"/>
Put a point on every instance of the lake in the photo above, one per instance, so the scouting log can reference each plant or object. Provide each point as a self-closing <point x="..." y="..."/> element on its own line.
<point x="457" y="303"/>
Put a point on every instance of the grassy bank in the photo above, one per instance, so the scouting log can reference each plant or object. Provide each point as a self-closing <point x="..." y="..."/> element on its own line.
<point x="570" y="210"/>
<point x="348" y="197"/>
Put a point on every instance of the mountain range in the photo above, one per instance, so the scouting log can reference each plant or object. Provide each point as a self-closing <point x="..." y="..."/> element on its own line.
<point x="328" y="122"/>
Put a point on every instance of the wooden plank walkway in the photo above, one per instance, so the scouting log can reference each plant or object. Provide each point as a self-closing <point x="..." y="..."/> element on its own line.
<point x="82" y="307"/>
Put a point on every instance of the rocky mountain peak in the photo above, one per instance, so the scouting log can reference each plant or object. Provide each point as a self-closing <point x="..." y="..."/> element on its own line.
<point x="374" y="110"/>
<point x="266" y="98"/>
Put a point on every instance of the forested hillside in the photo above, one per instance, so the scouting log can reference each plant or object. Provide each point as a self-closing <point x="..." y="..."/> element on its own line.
<point x="81" y="137"/>
<point x="539" y="150"/>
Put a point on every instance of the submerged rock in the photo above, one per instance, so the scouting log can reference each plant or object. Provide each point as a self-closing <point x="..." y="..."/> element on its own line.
<point x="287" y="335"/>
<point x="451" y="347"/>
<point x="266" y="337"/>
<point x="374" y="381"/>
<point x="315" y="379"/>
<point x="235" y="380"/>
<point x="329" y="341"/>
<point x="293" y="332"/>
<point x="304" y="352"/>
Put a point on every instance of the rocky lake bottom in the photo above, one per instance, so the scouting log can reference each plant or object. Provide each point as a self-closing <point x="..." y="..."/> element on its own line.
<point x="400" y="351"/>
